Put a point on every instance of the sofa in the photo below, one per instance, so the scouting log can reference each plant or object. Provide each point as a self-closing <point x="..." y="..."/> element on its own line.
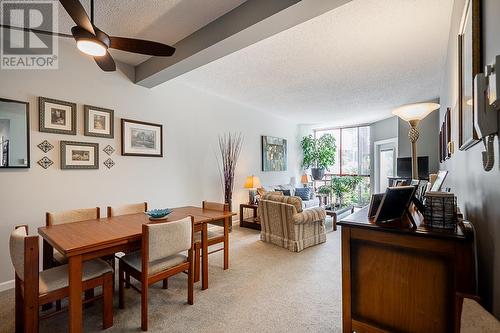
<point x="311" y="203"/>
<point x="285" y="223"/>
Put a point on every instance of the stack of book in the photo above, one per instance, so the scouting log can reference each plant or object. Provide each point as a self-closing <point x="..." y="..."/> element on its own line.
<point x="441" y="210"/>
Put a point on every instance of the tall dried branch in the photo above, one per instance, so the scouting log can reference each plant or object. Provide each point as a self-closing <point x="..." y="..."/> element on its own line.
<point x="229" y="149"/>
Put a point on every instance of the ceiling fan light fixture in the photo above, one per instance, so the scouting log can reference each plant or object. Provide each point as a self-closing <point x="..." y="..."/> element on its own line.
<point x="91" y="47"/>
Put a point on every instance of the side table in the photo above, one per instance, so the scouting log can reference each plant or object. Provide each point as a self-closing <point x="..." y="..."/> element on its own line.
<point x="334" y="213"/>
<point x="252" y="222"/>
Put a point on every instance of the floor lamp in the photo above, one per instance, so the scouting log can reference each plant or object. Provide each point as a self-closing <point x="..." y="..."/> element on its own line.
<point x="413" y="113"/>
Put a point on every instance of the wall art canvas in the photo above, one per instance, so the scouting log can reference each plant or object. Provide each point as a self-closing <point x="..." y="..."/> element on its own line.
<point x="57" y="116"/>
<point x="141" y="139"/>
<point x="274" y="154"/>
<point x="469" y="64"/>
<point x="98" y="122"/>
<point x="79" y="155"/>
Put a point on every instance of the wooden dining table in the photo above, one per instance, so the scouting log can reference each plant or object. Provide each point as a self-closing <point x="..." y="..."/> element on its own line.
<point x="86" y="240"/>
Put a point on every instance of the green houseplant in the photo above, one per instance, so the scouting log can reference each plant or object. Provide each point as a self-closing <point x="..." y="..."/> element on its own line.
<point x="341" y="186"/>
<point x="318" y="154"/>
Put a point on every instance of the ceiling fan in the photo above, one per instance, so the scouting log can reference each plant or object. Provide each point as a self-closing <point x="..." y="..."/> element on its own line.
<point x="95" y="42"/>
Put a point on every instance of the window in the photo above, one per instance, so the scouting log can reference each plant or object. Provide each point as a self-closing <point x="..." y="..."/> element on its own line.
<point x="352" y="158"/>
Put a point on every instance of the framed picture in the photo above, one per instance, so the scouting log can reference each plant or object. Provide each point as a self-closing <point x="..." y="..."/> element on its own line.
<point x="469" y="64"/>
<point x="98" y="122"/>
<point x="447" y="129"/>
<point x="79" y="155"/>
<point x="274" y="154"/>
<point x="141" y="139"/>
<point x="57" y="116"/>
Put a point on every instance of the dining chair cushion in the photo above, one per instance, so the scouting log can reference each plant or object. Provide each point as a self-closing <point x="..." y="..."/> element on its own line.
<point x="134" y="260"/>
<point x="70" y="216"/>
<point x="59" y="257"/>
<point x="128" y="209"/>
<point x="219" y="232"/>
<point x="169" y="238"/>
<point x="16" y="247"/>
<point x="57" y="278"/>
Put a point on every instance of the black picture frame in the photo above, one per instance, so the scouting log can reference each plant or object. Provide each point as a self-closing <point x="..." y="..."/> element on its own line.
<point x="469" y="37"/>
<point x="28" y="130"/>
<point x="42" y="115"/>
<point x="65" y="166"/>
<point x="395" y="203"/>
<point x="126" y="151"/>
<point x="88" y="132"/>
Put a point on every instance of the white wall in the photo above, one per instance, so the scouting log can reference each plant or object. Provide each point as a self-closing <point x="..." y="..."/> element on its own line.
<point x="477" y="191"/>
<point x="187" y="174"/>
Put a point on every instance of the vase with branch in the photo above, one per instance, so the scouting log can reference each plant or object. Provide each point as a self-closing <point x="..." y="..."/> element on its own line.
<point x="229" y="151"/>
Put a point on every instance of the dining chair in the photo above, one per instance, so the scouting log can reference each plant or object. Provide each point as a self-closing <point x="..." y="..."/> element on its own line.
<point x="215" y="236"/>
<point x="76" y="215"/>
<point x="34" y="289"/>
<point x="162" y="255"/>
<point x="128" y="209"/>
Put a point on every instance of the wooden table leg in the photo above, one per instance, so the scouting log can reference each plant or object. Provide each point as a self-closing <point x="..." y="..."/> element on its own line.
<point x="47" y="262"/>
<point x="226" y="243"/>
<point x="204" y="254"/>
<point x="334" y="221"/>
<point x="75" y="294"/>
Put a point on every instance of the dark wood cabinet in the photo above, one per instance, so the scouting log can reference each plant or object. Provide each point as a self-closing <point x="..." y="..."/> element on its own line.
<point x="398" y="279"/>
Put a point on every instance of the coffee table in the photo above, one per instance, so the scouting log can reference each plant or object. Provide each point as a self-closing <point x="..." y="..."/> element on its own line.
<point x="336" y="211"/>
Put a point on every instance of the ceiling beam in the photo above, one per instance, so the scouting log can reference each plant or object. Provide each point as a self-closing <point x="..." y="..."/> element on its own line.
<point x="249" y="23"/>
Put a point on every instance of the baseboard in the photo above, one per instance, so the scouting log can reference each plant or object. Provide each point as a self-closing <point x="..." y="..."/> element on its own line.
<point x="6" y="285"/>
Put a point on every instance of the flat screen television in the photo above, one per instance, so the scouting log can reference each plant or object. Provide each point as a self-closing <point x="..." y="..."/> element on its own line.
<point x="403" y="167"/>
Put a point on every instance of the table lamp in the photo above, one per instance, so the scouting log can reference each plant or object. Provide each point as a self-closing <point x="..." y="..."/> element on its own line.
<point x="252" y="183"/>
<point x="413" y="113"/>
<point x="305" y="179"/>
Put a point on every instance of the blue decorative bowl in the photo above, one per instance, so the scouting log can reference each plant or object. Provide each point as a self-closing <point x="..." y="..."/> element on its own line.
<point x="158" y="213"/>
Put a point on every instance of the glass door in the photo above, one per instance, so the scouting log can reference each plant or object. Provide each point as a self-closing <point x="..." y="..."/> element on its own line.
<point x="385" y="164"/>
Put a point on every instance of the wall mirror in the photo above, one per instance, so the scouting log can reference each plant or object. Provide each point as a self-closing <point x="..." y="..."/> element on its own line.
<point x="14" y="134"/>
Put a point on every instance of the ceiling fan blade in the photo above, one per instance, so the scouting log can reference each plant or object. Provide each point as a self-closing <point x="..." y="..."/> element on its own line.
<point x="36" y="31"/>
<point x="106" y="63"/>
<point x="141" y="46"/>
<point x="78" y="14"/>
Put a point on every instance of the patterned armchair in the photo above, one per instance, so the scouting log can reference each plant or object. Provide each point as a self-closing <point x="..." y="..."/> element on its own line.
<point x="286" y="224"/>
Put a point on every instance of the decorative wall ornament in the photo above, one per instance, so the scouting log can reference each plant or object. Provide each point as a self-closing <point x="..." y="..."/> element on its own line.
<point x="109" y="150"/>
<point x="141" y="139"/>
<point x="79" y="155"/>
<point x="98" y="122"/>
<point x="109" y="163"/>
<point x="45" y="162"/>
<point x="57" y="116"/>
<point x="45" y="146"/>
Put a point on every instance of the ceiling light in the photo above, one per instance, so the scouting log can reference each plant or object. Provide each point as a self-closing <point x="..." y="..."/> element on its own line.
<point x="91" y="47"/>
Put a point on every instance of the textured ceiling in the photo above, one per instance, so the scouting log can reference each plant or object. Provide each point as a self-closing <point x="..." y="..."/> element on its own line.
<point x="166" y="21"/>
<point x="350" y="65"/>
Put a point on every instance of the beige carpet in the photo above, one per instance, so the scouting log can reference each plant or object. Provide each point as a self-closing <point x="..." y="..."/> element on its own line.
<point x="266" y="289"/>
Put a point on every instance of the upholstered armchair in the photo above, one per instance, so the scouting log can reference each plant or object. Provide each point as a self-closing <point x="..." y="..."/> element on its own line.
<point x="286" y="224"/>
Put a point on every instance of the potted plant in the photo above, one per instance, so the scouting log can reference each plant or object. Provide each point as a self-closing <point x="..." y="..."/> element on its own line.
<point x="343" y="185"/>
<point x="318" y="154"/>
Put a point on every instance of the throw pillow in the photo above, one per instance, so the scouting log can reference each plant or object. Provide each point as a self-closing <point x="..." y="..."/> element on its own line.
<point x="303" y="193"/>
<point x="285" y="192"/>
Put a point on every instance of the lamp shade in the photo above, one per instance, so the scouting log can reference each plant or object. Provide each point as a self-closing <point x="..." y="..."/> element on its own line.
<point x="252" y="182"/>
<point x="416" y="111"/>
<point x="304" y="179"/>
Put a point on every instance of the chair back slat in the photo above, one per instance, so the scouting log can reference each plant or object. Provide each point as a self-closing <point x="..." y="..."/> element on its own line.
<point x="71" y="216"/>
<point x="128" y="209"/>
<point x="221" y="207"/>
<point x="168" y="238"/>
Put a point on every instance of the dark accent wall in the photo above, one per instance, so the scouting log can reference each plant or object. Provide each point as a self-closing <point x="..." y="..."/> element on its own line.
<point x="478" y="191"/>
